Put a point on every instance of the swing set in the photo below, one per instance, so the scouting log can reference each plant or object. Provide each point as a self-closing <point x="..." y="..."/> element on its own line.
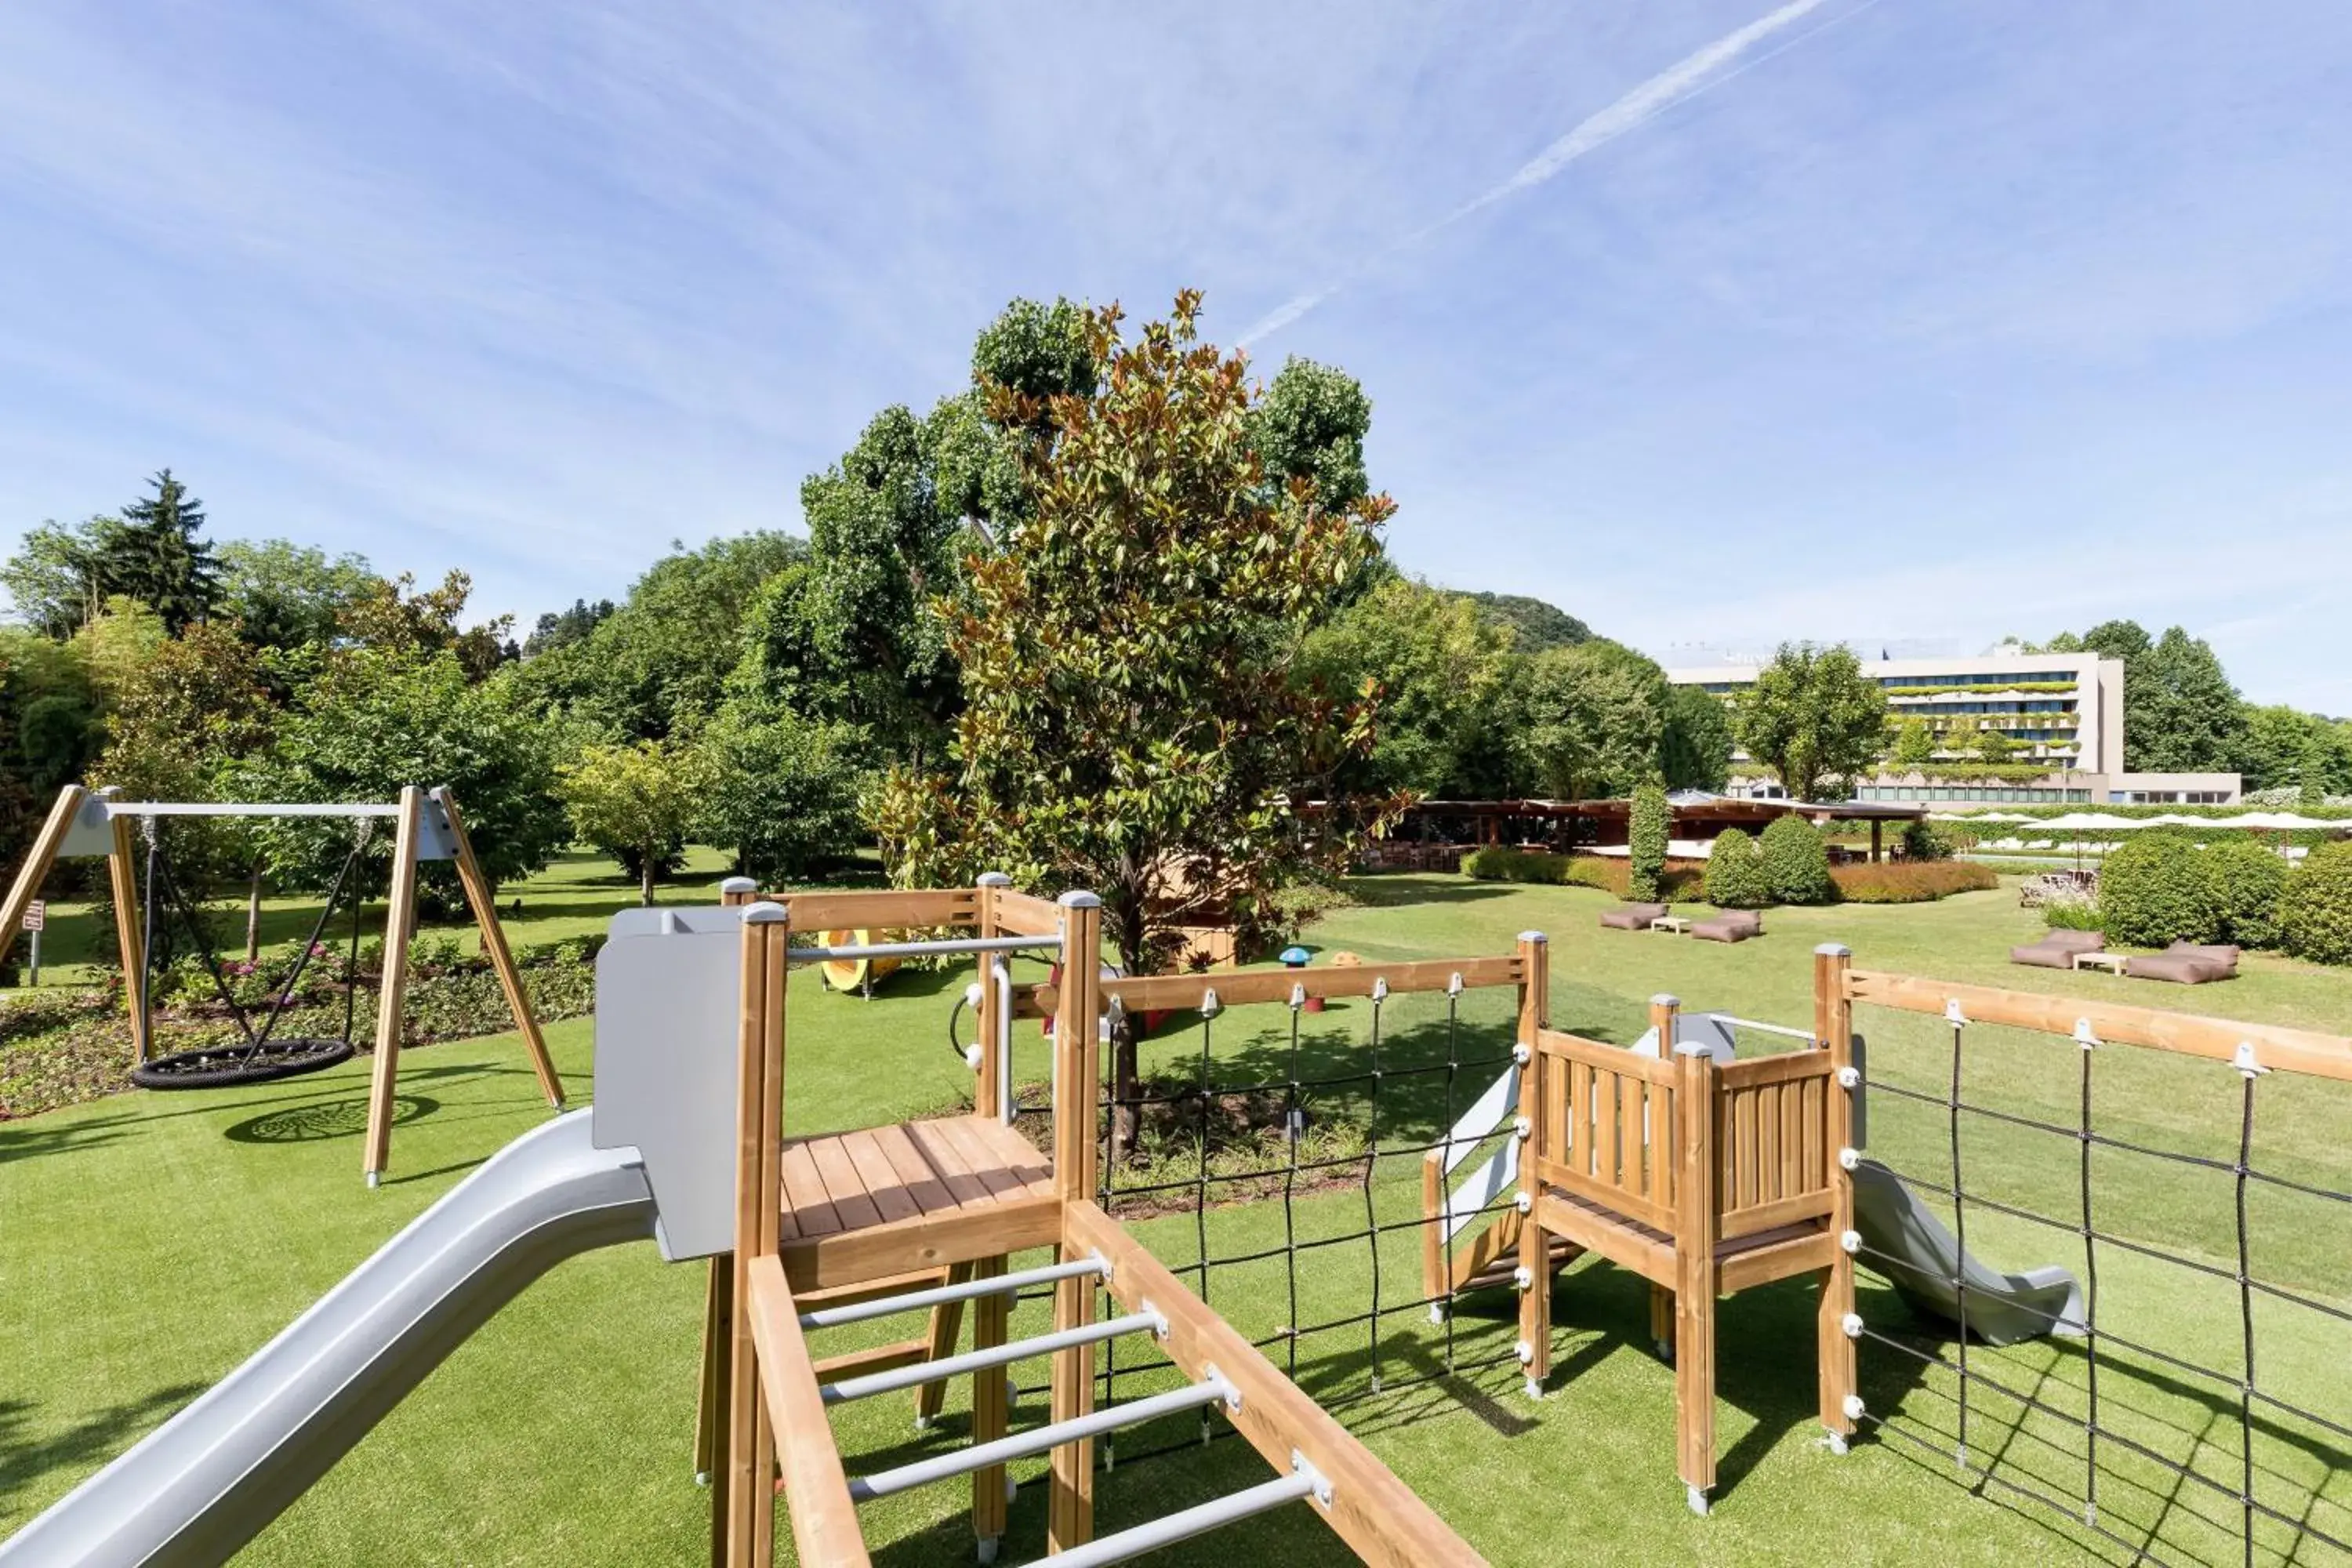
<point x="155" y="907"/>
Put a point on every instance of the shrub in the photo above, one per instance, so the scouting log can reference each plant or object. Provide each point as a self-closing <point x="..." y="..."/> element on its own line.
<point x="1923" y="841"/>
<point x="1796" y="863"/>
<point x="1906" y="882"/>
<point x="1606" y="873"/>
<point x="2158" y="888"/>
<point x="2315" y="911"/>
<point x="1735" y="873"/>
<point x="1647" y="837"/>
<point x="2072" y="914"/>
<point x="2253" y="879"/>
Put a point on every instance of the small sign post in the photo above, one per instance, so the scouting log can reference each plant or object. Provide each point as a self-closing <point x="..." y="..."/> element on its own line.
<point x="36" y="915"/>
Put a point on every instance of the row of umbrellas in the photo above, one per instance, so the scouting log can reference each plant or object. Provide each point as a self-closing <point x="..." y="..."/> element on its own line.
<point x="2083" y="821"/>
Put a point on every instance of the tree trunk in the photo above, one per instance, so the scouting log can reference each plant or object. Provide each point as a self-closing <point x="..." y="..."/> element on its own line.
<point x="1127" y="1116"/>
<point x="646" y="878"/>
<point x="253" y="916"/>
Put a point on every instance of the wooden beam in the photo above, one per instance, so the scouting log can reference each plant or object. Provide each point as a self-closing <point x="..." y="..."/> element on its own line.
<point x="38" y="862"/>
<point x="1534" y="1244"/>
<point x="874" y="1358"/>
<point x="882" y="909"/>
<point x="1161" y="993"/>
<point x="992" y="1402"/>
<point x="824" y="1519"/>
<point x="399" y="930"/>
<point x="1609" y="1237"/>
<point x="1833" y="1026"/>
<point x="1024" y="914"/>
<point x="1377" y="1515"/>
<point x="483" y="899"/>
<point x="934" y="1241"/>
<point x="939" y="1343"/>
<point x="130" y="935"/>
<point x="749" y="1512"/>
<point x="1077" y="1087"/>
<point x="710" y="1394"/>
<point x="1608" y="1058"/>
<point x="2217" y="1039"/>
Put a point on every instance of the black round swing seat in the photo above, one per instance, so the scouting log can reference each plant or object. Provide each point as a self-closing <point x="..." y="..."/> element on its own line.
<point x="221" y="1067"/>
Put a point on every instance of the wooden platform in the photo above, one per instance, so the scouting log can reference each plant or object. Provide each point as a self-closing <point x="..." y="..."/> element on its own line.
<point x="1756" y="1259"/>
<point x="922" y="1195"/>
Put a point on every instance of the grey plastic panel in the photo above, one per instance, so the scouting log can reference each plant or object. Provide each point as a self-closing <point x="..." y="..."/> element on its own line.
<point x="667" y="988"/>
<point x="92" y="832"/>
<point x="1692" y="1030"/>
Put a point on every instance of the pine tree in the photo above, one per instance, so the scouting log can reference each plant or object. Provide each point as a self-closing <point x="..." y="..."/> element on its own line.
<point x="157" y="558"/>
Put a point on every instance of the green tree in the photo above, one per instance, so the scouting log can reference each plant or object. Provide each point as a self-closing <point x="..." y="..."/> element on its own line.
<point x="1135" y="721"/>
<point x="1649" y="828"/>
<point x="1993" y="745"/>
<point x="1536" y="625"/>
<point x="1310" y="425"/>
<point x="1590" y="719"/>
<point x="637" y="801"/>
<point x="1695" y="749"/>
<point x="2180" y="712"/>
<point x="561" y="628"/>
<point x="373" y="720"/>
<point x="288" y="596"/>
<point x="157" y="557"/>
<point x="55" y="580"/>
<point x="1915" y="744"/>
<point x="1813" y="718"/>
<point x="1434" y="668"/>
<point x="782" y="792"/>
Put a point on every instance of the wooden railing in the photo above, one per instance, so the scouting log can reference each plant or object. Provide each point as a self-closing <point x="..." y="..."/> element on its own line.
<point x="1604" y="1130"/>
<point x="1773" y="1162"/>
<point x="824" y="1515"/>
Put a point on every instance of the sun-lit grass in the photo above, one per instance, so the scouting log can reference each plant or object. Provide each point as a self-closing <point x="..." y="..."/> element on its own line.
<point x="149" y="1242"/>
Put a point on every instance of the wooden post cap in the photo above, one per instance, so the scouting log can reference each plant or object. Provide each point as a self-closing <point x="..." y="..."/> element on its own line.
<point x="739" y="885"/>
<point x="993" y="880"/>
<point x="1834" y="950"/>
<point x="1078" y="899"/>
<point x="767" y="911"/>
<point x="1533" y="936"/>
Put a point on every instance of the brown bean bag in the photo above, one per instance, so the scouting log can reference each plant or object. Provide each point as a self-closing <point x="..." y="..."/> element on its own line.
<point x="1732" y="925"/>
<point x="2179" y="968"/>
<point x="2210" y="953"/>
<point x="1631" y="917"/>
<point x="2056" y="950"/>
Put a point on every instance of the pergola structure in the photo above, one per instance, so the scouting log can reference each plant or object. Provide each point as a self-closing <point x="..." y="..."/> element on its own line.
<point x="1693" y="815"/>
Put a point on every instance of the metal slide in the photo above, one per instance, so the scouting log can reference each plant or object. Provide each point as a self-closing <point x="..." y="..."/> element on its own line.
<point x="199" y="1487"/>
<point x="1904" y="1240"/>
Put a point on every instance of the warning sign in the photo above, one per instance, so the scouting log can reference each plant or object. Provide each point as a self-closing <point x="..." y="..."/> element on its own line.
<point x="36" y="915"/>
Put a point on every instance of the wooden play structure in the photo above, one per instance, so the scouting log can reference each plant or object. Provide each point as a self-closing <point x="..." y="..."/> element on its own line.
<point x="1704" y="1177"/>
<point x="427" y="826"/>
<point x="922" y="1218"/>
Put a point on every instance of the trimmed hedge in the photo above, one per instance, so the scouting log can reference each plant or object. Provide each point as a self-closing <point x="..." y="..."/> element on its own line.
<point x="1609" y="874"/>
<point x="1923" y="841"/>
<point x="2315" y="910"/>
<point x="1796" y="863"/>
<point x="1735" y="873"/>
<point x="2252" y="878"/>
<point x="1647" y="835"/>
<point x="2158" y="889"/>
<point x="1906" y="882"/>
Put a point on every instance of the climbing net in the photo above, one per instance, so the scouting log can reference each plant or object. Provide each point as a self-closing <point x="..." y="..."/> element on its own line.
<point x="2130" y="1427"/>
<point x="1288" y="1139"/>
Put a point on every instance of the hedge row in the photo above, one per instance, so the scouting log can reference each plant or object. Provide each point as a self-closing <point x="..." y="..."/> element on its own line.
<point x="2161" y="889"/>
<point x="1910" y="882"/>
<point x="1680" y="879"/>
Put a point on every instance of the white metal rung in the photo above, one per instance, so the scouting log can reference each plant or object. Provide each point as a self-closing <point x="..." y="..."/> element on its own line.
<point x="939" y="1371"/>
<point x="938" y="1295"/>
<point x="1302" y="1481"/>
<point x="1021" y="1444"/>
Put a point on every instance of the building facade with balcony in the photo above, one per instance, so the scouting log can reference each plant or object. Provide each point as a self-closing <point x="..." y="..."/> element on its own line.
<point x="2060" y="714"/>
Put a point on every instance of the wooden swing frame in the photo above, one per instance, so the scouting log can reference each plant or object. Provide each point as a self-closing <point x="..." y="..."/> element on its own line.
<point x="427" y="825"/>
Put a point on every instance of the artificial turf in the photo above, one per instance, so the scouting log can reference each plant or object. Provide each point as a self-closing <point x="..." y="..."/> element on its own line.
<point x="151" y="1242"/>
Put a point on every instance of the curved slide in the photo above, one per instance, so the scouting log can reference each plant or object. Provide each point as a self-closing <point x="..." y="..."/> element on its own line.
<point x="199" y="1487"/>
<point x="1907" y="1242"/>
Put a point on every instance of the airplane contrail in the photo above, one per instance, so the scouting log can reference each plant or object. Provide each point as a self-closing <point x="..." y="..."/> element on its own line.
<point x="1686" y="77"/>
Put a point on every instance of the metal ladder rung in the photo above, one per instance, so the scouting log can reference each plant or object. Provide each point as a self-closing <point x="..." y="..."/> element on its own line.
<point x="996" y="1355"/>
<point x="1211" y="1390"/>
<point x="939" y="1295"/>
<point x="1304" y="1480"/>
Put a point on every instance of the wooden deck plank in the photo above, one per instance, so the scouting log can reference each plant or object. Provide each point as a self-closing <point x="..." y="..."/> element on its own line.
<point x="805" y="1203"/>
<point x="978" y="1157"/>
<point x="1014" y="1153"/>
<point x="915" y="1174"/>
<point x="955" y="1172"/>
<point x="850" y="1200"/>
<point x="881" y="1179"/>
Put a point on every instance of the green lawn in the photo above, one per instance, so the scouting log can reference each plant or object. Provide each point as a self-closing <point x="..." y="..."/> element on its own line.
<point x="148" y="1243"/>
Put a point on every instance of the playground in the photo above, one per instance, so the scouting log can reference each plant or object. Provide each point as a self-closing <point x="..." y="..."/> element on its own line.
<point x="157" y="1240"/>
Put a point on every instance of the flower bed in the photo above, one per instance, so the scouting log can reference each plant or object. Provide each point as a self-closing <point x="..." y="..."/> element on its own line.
<point x="1910" y="881"/>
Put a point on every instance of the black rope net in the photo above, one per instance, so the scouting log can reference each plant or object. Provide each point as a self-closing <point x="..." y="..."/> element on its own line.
<point x="2197" y="1406"/>
<point x="1271" y="1154"/>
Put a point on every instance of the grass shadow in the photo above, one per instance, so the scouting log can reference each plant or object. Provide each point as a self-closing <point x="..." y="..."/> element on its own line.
<point x="323" y="1120"/>
<point x="92" y="1437"/>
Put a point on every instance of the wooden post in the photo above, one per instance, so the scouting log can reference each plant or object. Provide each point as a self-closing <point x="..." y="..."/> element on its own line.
<point x="1078" y="1086"/>
<point x="1834" y="1025"/>
<point x="718" y="1317"/>
<point x="38" y="862"/>
<point x="992" y="1405"/>
<point x="1694" y="1269"/>
<point x="742" y="1494"/>
<point x="988" y="1089"/>
<point x="483" y="900"/>
<point x="1535" y="1243"/>
<point x="400" y="920"/>
<point x="130" y="934"/>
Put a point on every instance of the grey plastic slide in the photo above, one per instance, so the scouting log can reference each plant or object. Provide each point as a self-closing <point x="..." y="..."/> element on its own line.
<point x="199" y="1487"/>
<point x="1905" y="1241"/>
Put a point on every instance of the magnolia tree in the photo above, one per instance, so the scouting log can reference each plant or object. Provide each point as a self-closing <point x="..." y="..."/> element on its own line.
<point x="1135" y="721"/>
<point x="1814" y="718"/>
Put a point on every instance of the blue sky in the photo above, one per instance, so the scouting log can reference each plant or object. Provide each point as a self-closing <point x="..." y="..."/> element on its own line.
<point x="1711" y="320"/>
